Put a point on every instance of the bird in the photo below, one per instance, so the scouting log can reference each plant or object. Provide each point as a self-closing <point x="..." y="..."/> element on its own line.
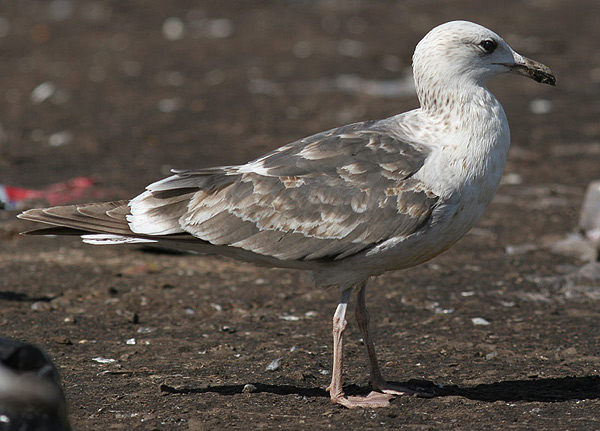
<point x="346" y="204"/>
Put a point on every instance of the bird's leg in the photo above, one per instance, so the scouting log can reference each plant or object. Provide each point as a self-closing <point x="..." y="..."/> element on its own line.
<point x="336" y="392"/>
<point x="377" y="381"/>
<point x="339" y="326"/>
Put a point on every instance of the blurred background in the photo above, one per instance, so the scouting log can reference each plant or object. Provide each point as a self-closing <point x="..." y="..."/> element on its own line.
<point x="115" y="93"/>
<point x="126" y="90"/>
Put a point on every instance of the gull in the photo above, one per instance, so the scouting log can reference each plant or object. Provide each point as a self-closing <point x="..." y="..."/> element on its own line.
<point x="346" y="204"/>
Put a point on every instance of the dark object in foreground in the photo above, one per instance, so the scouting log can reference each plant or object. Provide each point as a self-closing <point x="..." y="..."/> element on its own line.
<point x="31" y="398"/>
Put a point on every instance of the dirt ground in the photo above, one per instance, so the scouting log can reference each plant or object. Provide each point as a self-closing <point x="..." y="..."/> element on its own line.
<point x="133" y="88"/>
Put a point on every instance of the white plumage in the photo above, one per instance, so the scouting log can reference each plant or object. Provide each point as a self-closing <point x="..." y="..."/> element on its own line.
<point x="348" y="203"/>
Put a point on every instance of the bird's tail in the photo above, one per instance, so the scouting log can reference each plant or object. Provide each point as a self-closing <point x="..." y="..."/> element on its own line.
<point x="96" y="223"/>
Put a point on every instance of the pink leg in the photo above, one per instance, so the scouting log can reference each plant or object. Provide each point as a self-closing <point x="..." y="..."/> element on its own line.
<point x="339" y="326"/>
<point x="363" y="318"/>
<point x="336" y="392"/>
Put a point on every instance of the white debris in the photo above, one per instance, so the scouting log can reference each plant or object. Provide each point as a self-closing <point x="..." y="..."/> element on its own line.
<point x="480" y="321"/>
<point x="589" y="219"/>
<point x="59" y="139"/>
<point x="512" y="250"/>
<point x="102" y="360"/>
<point x="541" y="106"/>
<point x="173" y="28"/>
<point x="130" y="342"/>
<point x="43" y="92"/>
<point x="274" y="365"/>
<point x="511" y="179"/>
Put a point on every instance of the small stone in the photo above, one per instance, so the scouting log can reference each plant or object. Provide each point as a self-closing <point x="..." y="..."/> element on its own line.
<point x="62" y="340"/>
<point x="59" y="139"/>
<point x="173" y="29"/>
<point x="249" y="388"/>
<point x="491" y="356"/>
<point x="541" y="106"/>
<point x="41" y="306"/>
<point x="131" y="316"/>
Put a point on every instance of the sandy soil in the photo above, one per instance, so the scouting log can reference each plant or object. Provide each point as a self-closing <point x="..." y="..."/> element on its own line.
<point x="130" y="93"/>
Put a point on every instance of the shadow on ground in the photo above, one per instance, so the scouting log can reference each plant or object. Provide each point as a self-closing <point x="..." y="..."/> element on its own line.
<point x="542" y="390"/>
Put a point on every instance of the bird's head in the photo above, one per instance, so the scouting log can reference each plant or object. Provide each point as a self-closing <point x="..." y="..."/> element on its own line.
<point x="460" y="50"/>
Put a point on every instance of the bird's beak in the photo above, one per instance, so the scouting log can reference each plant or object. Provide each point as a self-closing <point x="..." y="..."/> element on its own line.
<point x="532" y="69"/>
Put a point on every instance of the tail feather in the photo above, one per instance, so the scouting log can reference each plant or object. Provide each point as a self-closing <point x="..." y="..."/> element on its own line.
<point x="107" y="217"/>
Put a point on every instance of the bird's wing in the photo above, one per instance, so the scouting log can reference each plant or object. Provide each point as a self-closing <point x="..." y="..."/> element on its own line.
<point x="327" y="196"/>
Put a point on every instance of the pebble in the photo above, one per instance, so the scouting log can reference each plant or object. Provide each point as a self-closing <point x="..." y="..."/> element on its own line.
<point x="170" y="105"/>
<point x="491" y="356"/>
<point x="173" y="28"/>
<point x="541" y="106"/>
<point x="249" y="388"/>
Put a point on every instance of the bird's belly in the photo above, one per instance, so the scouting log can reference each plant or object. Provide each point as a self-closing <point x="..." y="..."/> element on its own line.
<point x="449" y="222"/>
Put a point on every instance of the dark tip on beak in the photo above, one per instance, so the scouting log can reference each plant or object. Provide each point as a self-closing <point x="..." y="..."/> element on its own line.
<point x="532" y="69"/>
<point x="537" y="71"/>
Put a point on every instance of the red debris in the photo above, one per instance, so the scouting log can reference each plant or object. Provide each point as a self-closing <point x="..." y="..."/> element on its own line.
<point x="12" y="197"/>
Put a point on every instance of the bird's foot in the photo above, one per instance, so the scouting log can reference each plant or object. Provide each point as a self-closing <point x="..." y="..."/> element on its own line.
<point x="372" y="400"/>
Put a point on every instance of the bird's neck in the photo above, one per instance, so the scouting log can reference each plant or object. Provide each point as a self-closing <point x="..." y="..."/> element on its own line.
<point x="439" y="97"/>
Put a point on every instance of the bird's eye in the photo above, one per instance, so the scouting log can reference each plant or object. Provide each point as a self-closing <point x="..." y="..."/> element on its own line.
<point x="488" y="45"/>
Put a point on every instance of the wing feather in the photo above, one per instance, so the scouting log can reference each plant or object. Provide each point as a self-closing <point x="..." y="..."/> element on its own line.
<point x="327" y="196"/>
